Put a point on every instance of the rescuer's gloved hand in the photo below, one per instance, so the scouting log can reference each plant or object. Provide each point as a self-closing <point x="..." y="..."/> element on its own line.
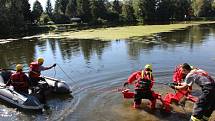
<point x="172" y="85"/>
<point x="54" y="65"/>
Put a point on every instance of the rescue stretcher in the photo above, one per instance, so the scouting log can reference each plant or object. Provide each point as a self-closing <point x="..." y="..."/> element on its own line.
<point x="168" y="99"/>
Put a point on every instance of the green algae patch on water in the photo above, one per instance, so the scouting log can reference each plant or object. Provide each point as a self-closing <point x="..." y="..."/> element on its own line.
<point x="125" y="32"/>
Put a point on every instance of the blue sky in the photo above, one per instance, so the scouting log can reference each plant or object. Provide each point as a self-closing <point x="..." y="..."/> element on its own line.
<point x="43" y="2"/>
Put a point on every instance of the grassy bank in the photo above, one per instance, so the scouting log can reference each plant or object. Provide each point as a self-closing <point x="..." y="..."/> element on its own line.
<point x="113" y="33"/>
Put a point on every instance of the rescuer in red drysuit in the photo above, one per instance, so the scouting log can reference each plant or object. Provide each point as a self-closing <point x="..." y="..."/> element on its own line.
<point x="179" y="95"/>
<point x="143" y="84"/>
<point x="205" y="105"/>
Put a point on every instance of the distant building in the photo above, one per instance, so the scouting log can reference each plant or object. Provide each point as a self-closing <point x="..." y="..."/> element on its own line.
<point x="76" y="20"/>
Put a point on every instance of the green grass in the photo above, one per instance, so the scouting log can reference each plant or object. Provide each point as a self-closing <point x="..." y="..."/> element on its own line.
<point x="126" y="32"/>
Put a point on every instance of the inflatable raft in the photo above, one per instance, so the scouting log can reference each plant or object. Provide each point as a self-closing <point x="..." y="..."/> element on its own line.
<point x="29" y="101"/>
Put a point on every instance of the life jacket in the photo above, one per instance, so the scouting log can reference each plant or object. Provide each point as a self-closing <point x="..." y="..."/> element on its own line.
<point x="144" y="82"/>
<point x="178" y="76"/>
<point x="34" y="70"/>
<point x="204" y="73"/>
<point x="19" y="81"/>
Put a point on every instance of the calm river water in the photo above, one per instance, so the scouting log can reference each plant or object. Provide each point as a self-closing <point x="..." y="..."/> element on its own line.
<point x="96" y="70"/>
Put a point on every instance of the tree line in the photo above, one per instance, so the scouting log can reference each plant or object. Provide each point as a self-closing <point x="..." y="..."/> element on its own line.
<point x="16" y="15"/>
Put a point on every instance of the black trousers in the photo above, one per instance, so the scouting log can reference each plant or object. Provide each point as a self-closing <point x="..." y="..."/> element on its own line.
<point x="34" y="81"/>
<point x="140" y="94"/>
<point x="39" y="88"/>
<point x="206" y="102"/>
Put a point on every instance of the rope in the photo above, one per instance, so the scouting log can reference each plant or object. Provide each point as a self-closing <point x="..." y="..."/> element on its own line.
<point x="114" y="90"/>
<point x="66" y="74"/>
<point x="161" y="83"/>
<point x="54" y="72"/>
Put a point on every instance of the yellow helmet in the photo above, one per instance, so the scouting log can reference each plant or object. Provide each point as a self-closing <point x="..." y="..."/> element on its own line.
<point x="40" y="60"/>
<point x="19" y="67"/>
<point x="148" y="66"/>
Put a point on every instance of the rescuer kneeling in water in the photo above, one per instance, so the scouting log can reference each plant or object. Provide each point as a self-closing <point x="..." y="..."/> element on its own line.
<point x="143" y="85"/>
<point x="205" y="105"/>
<point x="180" y="96"/>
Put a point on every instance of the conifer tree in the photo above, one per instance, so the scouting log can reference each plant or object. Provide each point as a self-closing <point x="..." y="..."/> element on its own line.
<point x="49" y="9"/>
<point x="37" y="10"/>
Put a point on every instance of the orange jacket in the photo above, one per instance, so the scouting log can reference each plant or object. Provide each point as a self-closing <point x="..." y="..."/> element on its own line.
<point x="34" y="70"/>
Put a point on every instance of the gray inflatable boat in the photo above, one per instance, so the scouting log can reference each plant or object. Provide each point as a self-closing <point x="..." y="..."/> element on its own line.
<point x="23" y="101"/>
<point x="29" y="101"/>
<point x="57" y="86"/>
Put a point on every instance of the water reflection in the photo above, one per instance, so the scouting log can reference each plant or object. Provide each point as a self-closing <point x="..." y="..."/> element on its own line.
<point x="20" y="51"/>
<point x="68" y="48"/>
<point x="90" y="47"/>
<point x="110" y="63"/>
<point x="187" y="37"/>
<point x="24" y="51"/>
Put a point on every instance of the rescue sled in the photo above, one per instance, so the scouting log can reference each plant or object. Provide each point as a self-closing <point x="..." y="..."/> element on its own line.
<point x="29" y="101"/>
<point x="128" y="94"/>
<point x="168" y="99"/>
